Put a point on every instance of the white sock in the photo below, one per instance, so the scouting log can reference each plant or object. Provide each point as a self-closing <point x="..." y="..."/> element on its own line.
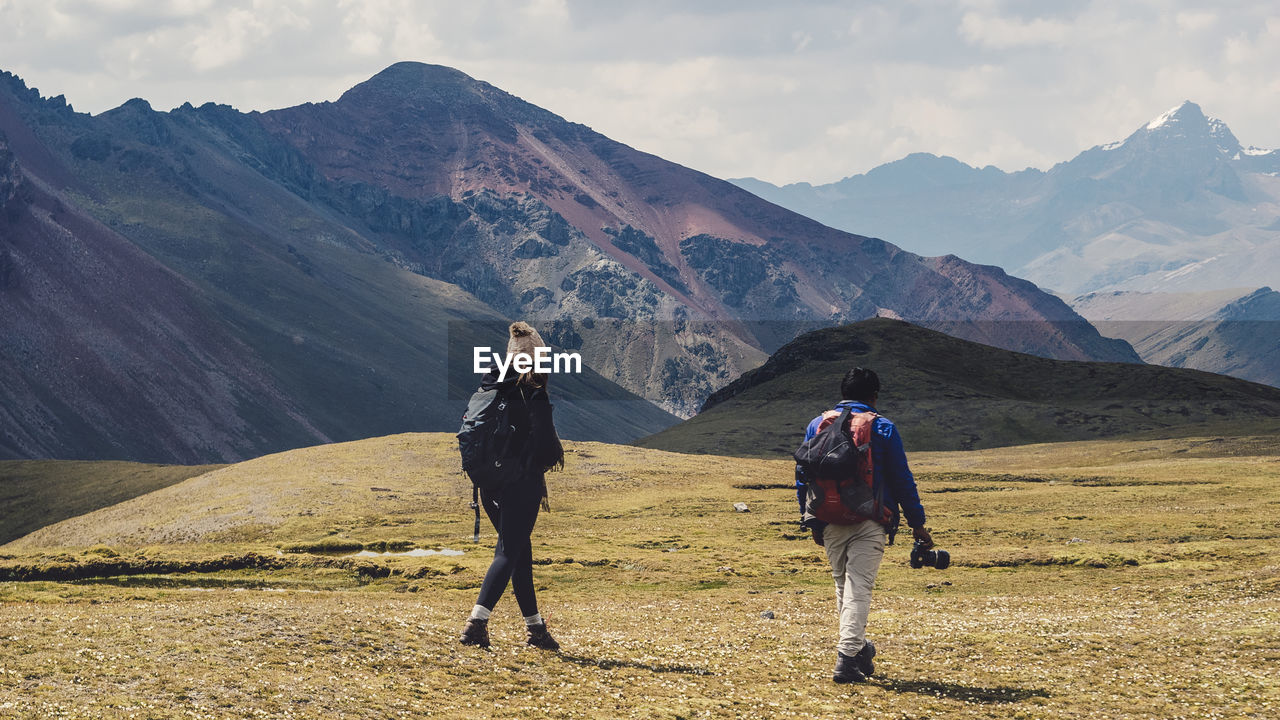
<point x="480" y="612"/>
<point x="534" y="619"/>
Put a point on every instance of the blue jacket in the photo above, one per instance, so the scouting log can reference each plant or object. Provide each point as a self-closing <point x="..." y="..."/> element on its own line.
<point x="889" y="463"/>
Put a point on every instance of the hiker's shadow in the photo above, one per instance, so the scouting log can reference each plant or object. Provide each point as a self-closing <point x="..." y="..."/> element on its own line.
<point x="609" y="664"/>
<point x="953" y="691"/>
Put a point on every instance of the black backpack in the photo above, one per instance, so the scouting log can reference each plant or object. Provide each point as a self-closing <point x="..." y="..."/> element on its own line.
<point x="484" y="441"/>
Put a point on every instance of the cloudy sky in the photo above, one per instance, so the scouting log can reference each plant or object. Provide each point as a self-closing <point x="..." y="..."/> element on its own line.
<point x="783" y="91"/>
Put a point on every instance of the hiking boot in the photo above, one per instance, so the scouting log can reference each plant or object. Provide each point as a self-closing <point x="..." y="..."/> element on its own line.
<point x="863" y="659"/>
<point x="475" y="633"/>
<point x="540" y="638"/>
<point x="847" y="670"/>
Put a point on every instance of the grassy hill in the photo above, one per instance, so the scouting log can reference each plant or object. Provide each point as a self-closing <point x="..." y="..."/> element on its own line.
<point x="36" y="493"/>
<point x="374" y="492"/>
<point x="951" y="394"/>
<point x="1128" y="579"/>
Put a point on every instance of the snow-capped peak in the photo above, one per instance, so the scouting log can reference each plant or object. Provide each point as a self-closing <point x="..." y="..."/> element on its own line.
<point x="1181" y="128"/>
<point x="1187" y="112"/>
<point x="1188" y="121"/>
<point x="1168" y="115"/>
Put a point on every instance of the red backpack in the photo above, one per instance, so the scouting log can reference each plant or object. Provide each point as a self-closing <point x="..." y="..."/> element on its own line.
<point x="838" y="470"/>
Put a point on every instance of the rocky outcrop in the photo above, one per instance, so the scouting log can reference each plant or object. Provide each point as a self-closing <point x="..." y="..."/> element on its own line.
<point x="642" y="247"/>
<point x="10" y="176"/>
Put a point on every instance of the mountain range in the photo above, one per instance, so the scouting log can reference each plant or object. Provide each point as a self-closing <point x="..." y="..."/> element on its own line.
<point x="1233" y="332"/>
<point x="206" y="285"/>
<point x="1177" y="206"/>
<point x="1138" y="233"/>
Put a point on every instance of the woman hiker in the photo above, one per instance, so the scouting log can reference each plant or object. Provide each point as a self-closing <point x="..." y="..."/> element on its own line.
<point x="513" y="509"/>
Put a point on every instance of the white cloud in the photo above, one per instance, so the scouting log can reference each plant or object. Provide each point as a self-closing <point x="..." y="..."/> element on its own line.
<point x="556" y="11"/>
<point x="389" y="30"/>
<point x="1193" y="21"/>
<point x="1002" y="32"/>
<point x="227" y="40"/>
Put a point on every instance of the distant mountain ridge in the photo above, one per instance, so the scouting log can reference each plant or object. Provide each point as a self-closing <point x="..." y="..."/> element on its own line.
<point x="334" y="250"/>
<point x="1178" y="206"/>
<point x="950" y="394"/>
<point x="1232" y="332"/>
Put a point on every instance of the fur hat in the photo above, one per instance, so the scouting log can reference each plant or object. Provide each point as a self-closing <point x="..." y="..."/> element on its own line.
<point x="524" y="339"/>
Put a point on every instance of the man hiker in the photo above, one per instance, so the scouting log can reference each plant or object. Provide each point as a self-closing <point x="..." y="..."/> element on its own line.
<point x="855" y="545"/>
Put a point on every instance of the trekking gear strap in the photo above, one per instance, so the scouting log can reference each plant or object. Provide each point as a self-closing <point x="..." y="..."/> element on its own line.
<point x="475" y="505"/>
<point x="841" y="422"/>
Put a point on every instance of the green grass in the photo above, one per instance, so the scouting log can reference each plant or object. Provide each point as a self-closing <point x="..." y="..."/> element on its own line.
<point x="1118" y="579"/>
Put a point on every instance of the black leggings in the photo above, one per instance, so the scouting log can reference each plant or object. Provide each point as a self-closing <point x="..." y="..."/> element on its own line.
<point x="513" y="511"/>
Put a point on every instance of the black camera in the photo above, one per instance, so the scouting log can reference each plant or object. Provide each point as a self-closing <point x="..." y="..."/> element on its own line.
<point x="921" y="557"/>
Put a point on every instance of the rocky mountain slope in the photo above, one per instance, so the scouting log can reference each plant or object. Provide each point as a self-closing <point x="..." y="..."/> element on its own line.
<point x="147" y="317"/>
<point x="337" y="250"/>
<point x="1178" y="206"/>
<point x="1233" y="332"/>
<point x="951" y="394"/>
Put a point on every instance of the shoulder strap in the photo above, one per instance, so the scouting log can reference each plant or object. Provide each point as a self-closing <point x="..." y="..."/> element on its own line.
<point x="475" y="505"/>
<point x="844" y="417"/>
<point x="839" y="416"/>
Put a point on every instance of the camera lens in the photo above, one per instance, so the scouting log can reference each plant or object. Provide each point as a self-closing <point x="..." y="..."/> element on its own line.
<point x="920" y="557"/>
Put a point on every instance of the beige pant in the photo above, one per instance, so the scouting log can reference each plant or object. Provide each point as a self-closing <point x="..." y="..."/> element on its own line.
<point x="854" y="552"/>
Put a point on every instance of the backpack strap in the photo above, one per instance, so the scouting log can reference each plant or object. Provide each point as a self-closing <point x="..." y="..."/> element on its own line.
<point x="844" y="416"/>
<point x="891" y="528"/>
<point x="841" y="427"/>
<point x="834" y="415"/>
<point x="475" y="505"/>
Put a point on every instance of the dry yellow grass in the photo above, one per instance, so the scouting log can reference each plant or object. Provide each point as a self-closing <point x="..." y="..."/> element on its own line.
<point x="1101" y="579"/>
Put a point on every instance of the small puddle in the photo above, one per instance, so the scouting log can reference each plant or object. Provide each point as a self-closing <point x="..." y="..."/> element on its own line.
<point x="416" y="552"/>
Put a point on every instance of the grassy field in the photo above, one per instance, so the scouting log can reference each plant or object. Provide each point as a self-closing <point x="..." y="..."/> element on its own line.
<point x="1108" y="579"/>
